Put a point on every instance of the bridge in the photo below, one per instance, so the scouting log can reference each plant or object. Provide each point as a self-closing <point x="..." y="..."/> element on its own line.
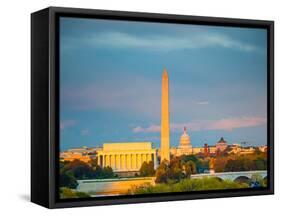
<point x="232" y="175"/>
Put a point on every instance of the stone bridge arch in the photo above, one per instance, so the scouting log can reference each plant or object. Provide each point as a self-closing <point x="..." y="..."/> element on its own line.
<point x="242" y="179"/>
<point x="233" y="175"/>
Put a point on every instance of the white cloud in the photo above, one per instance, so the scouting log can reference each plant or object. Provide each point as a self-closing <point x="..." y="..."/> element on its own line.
<point x="202" y="39"/>
<point x="227" y="124"/>
<point x="85" y="132"/>
<point x="150" y="129"/>
<point x="202" y="102"/>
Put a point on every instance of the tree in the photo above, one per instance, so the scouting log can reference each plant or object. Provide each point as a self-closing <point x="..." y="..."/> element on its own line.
<point x="162" y="172"/>
<point x="261" y="164"/>
<point x="189" y="168"/>
<point x="247" y="164"/>
<point x="242" y="164"/>
<point x="93" y="162"/>
<point x="80" y="169"/>
<point x="219" y="164"/>
<point x="151" y="170"/>
<point x="200" y="184"/>
<point x="67" y="180"/>
<point x="175" y="173"/>
<point x="258" y="181"/>
<point x="144" y="169"/>
<point x="147" y="169"/>
<point x="107" y="172"/>
<point x="170" y="172"/>
<point x="68" y="193"/>
<point x="199" y="164"/>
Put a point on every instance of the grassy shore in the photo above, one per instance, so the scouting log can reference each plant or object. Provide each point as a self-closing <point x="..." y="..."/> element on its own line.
<point x="204" y="184"/>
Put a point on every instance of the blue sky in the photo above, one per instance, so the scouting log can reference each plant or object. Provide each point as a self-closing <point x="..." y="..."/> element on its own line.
<point x="110" y="82"/>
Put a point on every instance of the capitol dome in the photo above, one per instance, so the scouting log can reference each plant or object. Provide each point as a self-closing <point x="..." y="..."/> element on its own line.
<point x="185" y="139"/>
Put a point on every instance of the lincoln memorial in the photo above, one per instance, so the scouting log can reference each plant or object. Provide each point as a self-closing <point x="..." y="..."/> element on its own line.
<point x="124" y="157"/>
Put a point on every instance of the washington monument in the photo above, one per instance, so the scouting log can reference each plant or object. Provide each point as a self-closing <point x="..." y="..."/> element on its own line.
<point x="165" y="125"/>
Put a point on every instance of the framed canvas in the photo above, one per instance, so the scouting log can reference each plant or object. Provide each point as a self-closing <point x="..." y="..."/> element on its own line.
<point x="138" y="107"/>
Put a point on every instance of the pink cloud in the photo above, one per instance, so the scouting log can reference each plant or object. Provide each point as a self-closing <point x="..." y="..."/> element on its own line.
<point x="113" y="95"/>
<point x="227" y="124"/>
<point x="67" y="123"/>
<point x="232" y="123"/>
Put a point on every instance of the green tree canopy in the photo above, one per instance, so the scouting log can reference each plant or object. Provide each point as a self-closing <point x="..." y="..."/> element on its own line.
<point x="80" y="169"/>
<point x="147" y="169"/>
<point x="176" y="170"/>
<point x="67" y="180"/>
<point x="199" y="163"/>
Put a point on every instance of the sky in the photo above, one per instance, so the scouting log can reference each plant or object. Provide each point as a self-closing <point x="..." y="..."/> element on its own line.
<point x="110" y="82"/>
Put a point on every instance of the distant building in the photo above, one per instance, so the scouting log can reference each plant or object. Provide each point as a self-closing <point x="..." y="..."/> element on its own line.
<point x="238" y="149"/>
<point x="198" y="150"/>
<point x="84" y="150"/>
<point x="71" y="156"/>
<point x="185" y="147"/>
<point x="126" y="157"/>
<point x="84" y="154"/>
<point x="206" y="150"/>
<point x="247" y="150"/>
<point x="263" y="148"/>
<point x="234" y="148"/>
<point x="221" y="145"/>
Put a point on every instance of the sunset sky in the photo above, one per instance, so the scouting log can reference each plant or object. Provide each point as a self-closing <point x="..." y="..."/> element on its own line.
<point x="110" y="82"/>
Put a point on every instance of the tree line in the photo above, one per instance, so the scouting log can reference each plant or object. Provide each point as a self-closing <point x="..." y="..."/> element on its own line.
<point x="76" y="169"/>
<point x="236" y="163"/>
<point x="177" y="169"/>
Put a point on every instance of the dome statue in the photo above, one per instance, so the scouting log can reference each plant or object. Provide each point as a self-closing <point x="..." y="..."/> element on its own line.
<point x="185" y="140"/>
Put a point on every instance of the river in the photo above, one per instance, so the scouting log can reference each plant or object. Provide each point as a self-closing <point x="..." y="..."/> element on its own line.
<point x="116" y="186"/>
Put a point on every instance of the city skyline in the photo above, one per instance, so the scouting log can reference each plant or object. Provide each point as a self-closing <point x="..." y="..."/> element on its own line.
<point x="112" y="91"/>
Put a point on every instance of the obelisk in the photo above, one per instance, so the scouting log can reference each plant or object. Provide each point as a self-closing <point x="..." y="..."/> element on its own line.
<point x="165" y="125"/>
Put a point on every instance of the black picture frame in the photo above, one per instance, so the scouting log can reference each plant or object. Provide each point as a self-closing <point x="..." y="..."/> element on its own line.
<point x="45" y="105"/>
